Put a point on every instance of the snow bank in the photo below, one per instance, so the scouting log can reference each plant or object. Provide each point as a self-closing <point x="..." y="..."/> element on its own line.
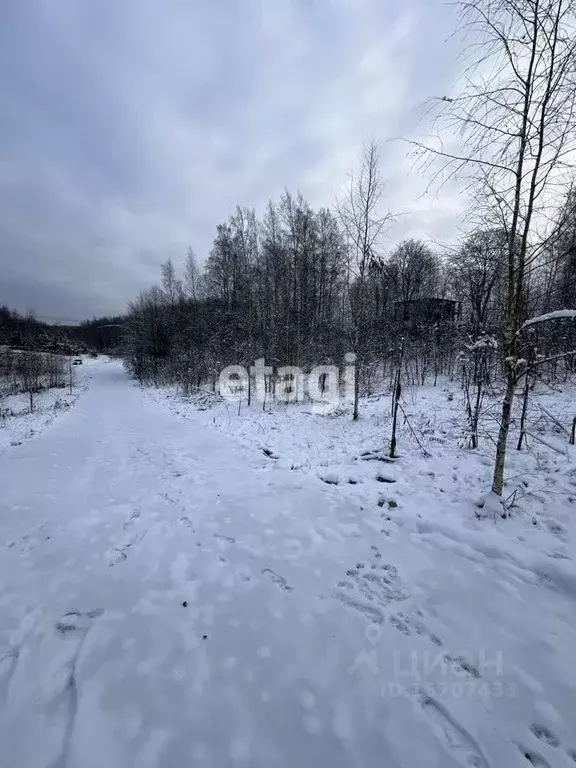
<point x="559" y="314"/>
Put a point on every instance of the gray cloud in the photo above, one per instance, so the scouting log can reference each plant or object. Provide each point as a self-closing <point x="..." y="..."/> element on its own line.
<point x="128" y="130"/>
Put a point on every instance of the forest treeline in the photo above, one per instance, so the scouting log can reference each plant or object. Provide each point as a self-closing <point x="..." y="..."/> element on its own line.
<point x="26" y="332"/>
<point x="286" y="287"/>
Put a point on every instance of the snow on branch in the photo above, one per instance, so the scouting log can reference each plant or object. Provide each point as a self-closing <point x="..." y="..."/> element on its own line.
<point x="559" y="314"/>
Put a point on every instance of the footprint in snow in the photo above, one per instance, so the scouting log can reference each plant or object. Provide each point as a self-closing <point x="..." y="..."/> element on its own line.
<point x="330" y="478"/>
<point x="168" y="498"/>
<point x="131" y="519"/>
<point x="118" y="556"/>
<point x="383" y="478"/>
<point x="375" y="584"/>
<point x="558" y="555"/>
<point x="400" y="622"/>
<point x="462" y="664"/>
<point x="406" y="626"/>
<point x="244" y="574"/>
<point x="369" y="612"/>
<point x="533" y="758"/>
<point x="374" y="456"/>
<point x="120" y="553"/>
<point x="556" y="529"/>
<point x="29" y="541"/>
<point x="276" y="579"/>
<point x="75" y="621"/>
<point x="544" y="734"/>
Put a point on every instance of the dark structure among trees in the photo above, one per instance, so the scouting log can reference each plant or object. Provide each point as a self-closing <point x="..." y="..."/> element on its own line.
<point x="427" y="311"/>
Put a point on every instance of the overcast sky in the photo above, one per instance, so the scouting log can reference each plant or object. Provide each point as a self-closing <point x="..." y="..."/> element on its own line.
<point x="130" y="128"/>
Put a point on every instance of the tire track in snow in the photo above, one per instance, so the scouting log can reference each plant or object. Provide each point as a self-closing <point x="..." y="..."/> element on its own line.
<point x="455" y="738"/>
<point x="51" y="660"/>
<point x="73" y="626"/>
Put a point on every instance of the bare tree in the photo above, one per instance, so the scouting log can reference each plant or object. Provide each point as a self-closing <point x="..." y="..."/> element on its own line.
<point x="477" y="363"/>
<point x="414" y="270"/>
<point x="31" y="366"/>
<point x="363" y="223"/>
<point x="171" y="286"/>
<point x="477" y="271"/>
<point x="516" y="116"/>
<point x="559" y="284"/>
<point x="396" y="394"/>
<point x="191" y="276"/>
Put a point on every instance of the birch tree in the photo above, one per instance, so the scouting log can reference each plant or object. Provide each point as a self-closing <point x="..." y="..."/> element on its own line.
<point x="512" y="126"/>
<point x="191" y="276"/>
<point x="363" y="223"/>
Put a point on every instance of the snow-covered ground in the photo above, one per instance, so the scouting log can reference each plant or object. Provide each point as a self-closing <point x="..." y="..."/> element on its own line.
<point x="18" y="424"/>
<point x="186" y="587"/>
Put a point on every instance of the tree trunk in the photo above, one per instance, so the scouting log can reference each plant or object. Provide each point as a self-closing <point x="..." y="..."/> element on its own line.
<point x="356" y="395"/>
<point x="359" y="358"/>
<point x="396" y="402"/>
<point x="524" y="411"/>
<point x="505" y="418"/>
<point x="397" y="392"/>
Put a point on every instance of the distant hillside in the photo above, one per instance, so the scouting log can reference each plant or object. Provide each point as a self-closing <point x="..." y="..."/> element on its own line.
<point x="102" y="334"/>
<point x="26" y="332"/>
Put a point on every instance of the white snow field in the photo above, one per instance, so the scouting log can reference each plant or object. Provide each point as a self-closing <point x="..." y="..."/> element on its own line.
<point x="196" y="588"/>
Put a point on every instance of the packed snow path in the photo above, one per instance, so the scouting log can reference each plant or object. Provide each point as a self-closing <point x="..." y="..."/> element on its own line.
<point x="167" y="600"/>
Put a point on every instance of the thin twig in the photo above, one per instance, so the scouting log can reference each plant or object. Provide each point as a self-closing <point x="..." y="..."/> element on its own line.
<point x="425" y="452"/>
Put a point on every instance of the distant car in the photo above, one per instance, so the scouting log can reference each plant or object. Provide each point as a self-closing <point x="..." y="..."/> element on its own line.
<point x="77" y="361"/>
<point x="93" y="354"/>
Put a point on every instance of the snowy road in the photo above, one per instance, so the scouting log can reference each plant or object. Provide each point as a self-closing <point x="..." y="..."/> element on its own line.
<point x="167" y="599"/>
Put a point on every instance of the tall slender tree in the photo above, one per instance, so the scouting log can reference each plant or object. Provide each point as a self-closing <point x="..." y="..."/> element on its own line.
<point x="516" y="114"/>
<point x="363" y="222"/>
